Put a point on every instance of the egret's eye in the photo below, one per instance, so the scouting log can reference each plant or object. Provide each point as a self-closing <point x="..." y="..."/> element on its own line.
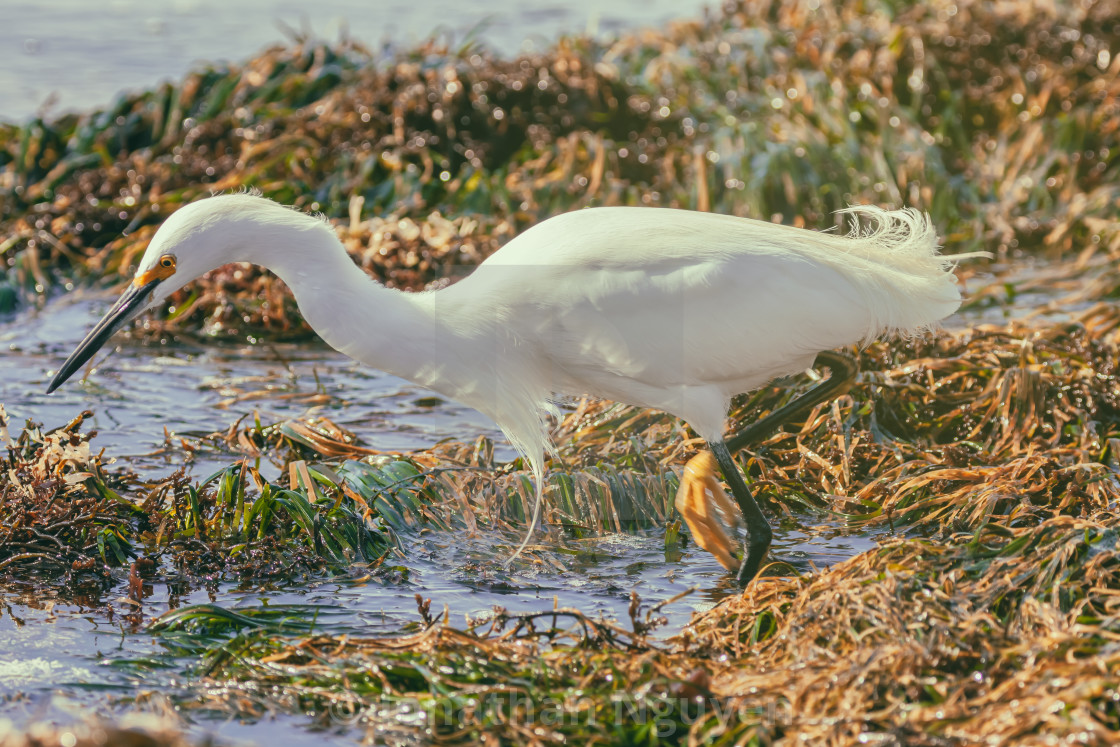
<point x="163" y="269"/>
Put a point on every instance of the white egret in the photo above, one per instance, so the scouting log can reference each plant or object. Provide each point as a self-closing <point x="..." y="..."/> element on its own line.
<point x="668" y="309"/>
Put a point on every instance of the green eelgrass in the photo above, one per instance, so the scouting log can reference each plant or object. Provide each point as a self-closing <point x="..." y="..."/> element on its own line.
<point x="973" y="638"/>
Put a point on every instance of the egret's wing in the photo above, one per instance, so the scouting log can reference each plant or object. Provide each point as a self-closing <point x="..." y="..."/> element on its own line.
<point x="892" y="260"/>
<point x="735" y="321"/>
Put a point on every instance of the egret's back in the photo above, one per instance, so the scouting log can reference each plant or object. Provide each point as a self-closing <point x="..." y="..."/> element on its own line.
<point x="892" y="256"/>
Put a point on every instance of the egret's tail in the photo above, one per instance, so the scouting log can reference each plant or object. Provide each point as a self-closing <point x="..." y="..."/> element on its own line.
<point x="893" y="257"/>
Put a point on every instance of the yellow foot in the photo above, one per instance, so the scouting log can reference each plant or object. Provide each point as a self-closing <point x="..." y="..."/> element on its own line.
<point x="708" y="511"/>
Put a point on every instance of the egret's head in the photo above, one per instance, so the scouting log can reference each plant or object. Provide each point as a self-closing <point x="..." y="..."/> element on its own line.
<point x="196" y="238"/>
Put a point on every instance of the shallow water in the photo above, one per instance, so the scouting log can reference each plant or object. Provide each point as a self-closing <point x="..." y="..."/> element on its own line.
<point x="79" y="646"/>
<point x="64" y="659"/>
<point x="137" y="391"/>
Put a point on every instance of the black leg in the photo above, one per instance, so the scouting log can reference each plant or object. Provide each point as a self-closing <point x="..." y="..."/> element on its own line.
<point x="759" y="533"/>
<point x="841" y="373"/>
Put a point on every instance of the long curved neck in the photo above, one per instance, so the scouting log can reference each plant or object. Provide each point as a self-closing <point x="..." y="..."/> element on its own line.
<point x="385" y="328"/>
<point x="452" y="341"/>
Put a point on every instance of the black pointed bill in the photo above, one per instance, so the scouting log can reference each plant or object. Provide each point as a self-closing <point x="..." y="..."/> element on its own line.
<point x="124" y="310"/>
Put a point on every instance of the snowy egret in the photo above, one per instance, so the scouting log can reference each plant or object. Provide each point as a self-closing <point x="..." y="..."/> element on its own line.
<point x="668" y="309"/>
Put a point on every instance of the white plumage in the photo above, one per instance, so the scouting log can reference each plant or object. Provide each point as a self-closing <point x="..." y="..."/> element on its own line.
<point x="668" y="309"/>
